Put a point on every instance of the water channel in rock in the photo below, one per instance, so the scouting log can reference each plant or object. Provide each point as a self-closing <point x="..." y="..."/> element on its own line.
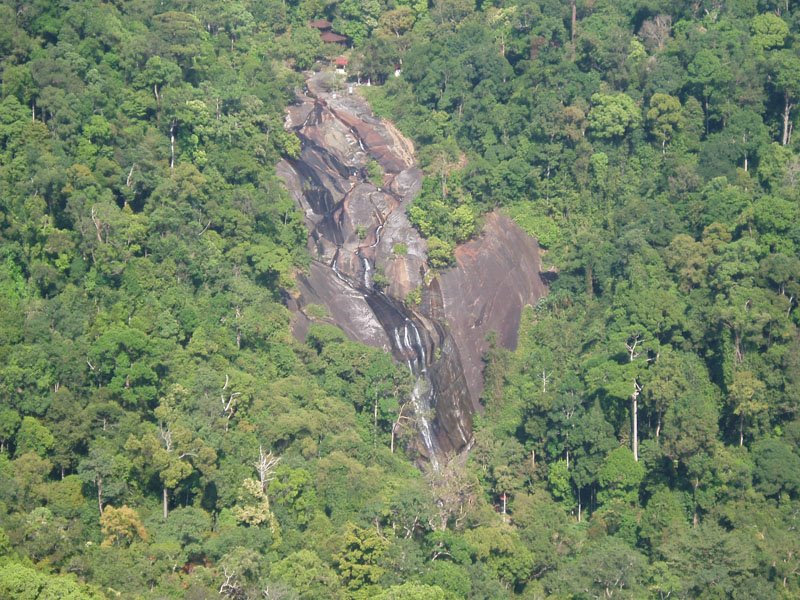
<point x="367" y="258"/>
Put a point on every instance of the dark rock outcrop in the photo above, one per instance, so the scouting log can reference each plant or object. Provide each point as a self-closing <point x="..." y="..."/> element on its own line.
<point x="495" y="277"/>
<point x="358" y="229"/>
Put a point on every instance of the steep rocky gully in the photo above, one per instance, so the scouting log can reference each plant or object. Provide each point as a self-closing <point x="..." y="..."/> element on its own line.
<point x="357" y="229"/>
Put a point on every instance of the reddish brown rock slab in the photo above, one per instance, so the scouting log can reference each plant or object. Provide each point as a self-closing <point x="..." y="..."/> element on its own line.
<point x="390" y="148"/>
<point x="344" y="306"/>
<point x="495" y="277"/>
<point x="326" y="130"/>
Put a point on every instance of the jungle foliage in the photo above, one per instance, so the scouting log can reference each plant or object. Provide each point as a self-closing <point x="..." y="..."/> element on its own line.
<point x="162" y="435"/>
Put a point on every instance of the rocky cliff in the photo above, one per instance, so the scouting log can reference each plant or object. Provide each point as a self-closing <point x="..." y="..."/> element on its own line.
<point x="359" y="235"/>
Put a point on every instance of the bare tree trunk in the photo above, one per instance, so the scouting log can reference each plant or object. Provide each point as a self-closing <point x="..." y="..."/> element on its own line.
<point x="737" y="348"/>
<point x="165" y="495"/>
<point x="579" y="505"/>
<point x="741" y="430"/>
<point x="637" y="388"/>
<point x="172" y="146"/>
<point x="787" y="109"/>
<point x="635" y="440"/>
<point x="100" y="494"/>
<point x="573" y="21"/>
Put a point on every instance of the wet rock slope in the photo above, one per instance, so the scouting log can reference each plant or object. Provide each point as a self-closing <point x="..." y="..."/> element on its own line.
<point x="368" y="258"/>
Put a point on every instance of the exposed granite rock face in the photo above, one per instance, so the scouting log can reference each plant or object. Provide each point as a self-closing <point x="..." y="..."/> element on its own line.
<point x="355" y="228"/>
<point x="495" y="277"/>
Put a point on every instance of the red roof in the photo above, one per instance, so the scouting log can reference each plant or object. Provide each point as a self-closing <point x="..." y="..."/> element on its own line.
<point x="330" y="37"/>
<point x="342" y="61"/>
<point x="320" y="24"/>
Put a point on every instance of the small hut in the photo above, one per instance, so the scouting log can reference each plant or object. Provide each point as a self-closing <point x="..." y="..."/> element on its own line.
<point x="321" y="25"/>
<point x="329" y="37"/>
<point x="341" y="65"/>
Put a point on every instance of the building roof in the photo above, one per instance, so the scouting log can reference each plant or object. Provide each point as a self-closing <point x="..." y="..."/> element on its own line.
<point x="330" y="37"/>
<point x="320" y="24"/>
<point x="342" y="61"/>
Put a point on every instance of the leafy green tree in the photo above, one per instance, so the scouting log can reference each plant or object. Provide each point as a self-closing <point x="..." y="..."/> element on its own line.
<point x="9" y="423"/>
<point x="746" y="394"/>
<point x="728" y="560"/>
<point x="356" y="19"/>
<point x="107" y="470"/>
<point x="664" y="117"/>
<point x="32" y="436"/>
<point x="25" y="583"/>
<point x="620" y="477"/>
<point x="415" y="591"/>
<point x="776" y="467"/>
<point x="613" y="116"/>
<point x="307" y="575"/>
<point x="304" y="46"/>
<point x="157" y="73"/>
<point x="357" y="560"/>
<point x="690" y="427"/>
<point x="397" y="21"/>
<point x="172" y="451"/>
<point x="669" y="378"/>
<point x="451" y="12"/>
<point x="501" y="549"/>
<point x="182" y="37"/>
<point x="189" y="527"/>
<point x="784" y="66"/>
<point x="769" y="31"/>
<point x="607" y="567"/>
<point x="664" y="516"/>
<point x="709" y="77"/>
<point x="45" y="535"/>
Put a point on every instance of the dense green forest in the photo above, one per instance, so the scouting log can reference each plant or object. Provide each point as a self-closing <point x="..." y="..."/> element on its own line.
<point x="162" y="435"/>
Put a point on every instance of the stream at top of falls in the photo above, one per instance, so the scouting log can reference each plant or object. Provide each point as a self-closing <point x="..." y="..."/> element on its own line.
<point x="322" y="177"/>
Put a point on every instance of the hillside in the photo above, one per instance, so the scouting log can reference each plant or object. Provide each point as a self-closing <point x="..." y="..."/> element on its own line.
<point x="166" y="432"/>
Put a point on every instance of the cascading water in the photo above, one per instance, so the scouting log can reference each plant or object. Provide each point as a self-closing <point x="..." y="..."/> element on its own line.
<point x="326" y="198"/>
<point x="368" y="259"/>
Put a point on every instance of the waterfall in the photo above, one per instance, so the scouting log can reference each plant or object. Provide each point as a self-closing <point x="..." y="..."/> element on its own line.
<point x="420" y="346"/>
<point x="377" y="236"/>
<point x="367" y="270"/>
<point x="423" y="393"/>
<point x="421" y="398"/>
<point x="347" y="220"/>
<point x="335" y="269"/>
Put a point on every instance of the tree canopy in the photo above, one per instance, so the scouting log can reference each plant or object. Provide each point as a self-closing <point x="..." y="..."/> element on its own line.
<point x="162" y="433"/>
